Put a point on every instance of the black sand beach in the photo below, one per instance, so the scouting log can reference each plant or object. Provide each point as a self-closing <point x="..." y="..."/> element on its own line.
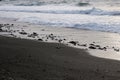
<point x="22" y="59"/>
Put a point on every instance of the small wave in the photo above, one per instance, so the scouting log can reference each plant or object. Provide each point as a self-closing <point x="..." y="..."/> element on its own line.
<point x="31" y="4"/>
<point x="92" y="11"/>
<point x="88" y="25"/>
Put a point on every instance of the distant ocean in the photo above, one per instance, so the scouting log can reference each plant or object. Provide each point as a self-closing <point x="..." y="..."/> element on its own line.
<point x="101" y="16"/>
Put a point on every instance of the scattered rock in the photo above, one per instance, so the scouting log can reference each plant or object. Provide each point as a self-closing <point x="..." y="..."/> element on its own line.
<point x="93" y="42"/>
<point x="97" y="45"/>
<point x="1" y="30"/>
<point x="40" y="39"/>
<point x="73" y="42"/>
<point x="51" y="34"/>
<point x="23" y="33"/>
<point x="104" y="48"/>
<point x="60" y="40"/>
<point x="64" y="39"/>
<point x="92" y="47"/>
<point x="1" y="25"/>
<point x="35" y="34"/>
<point x="117" y="50"/>
<point x="12" y="24"/>
<point x="100" y="48"/>
<point x="113" y="47"/>
<point x="47" y="38"/>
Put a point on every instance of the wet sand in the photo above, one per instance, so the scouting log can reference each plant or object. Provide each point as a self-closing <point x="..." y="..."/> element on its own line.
<point x="22" y="59"/>
<point x="99" y="44"/>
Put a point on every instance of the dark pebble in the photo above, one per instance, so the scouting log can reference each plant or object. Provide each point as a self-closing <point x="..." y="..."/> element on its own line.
<point x="1" y="30"/>
<point x="24" y="33"/>
<point x="35" y="34"/>
<point x="92" y="47"/>
<point x="60" y="40"/>
<point x="73" y="42"/>
<point x="117" y="50"/>
<point x="40" y="39"/>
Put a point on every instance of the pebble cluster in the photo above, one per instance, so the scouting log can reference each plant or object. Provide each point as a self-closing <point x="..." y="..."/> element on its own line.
<point x="54" y="38"/>
<point x="93" y="46"/>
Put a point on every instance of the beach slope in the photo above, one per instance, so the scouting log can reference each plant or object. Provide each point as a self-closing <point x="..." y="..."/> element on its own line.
<point x="22" y="59"/>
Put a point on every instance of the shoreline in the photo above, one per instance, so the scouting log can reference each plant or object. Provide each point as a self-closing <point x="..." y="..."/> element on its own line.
<point x="99" y="44"/>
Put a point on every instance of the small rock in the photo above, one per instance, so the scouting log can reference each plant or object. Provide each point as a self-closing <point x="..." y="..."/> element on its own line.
<point x="73" y="42"/>
<point x="64" y="39"/>
<point x="51" y="34"/>
<point x="117" y="50"/>
<point x="60" y="40"/>
<point x="92" y="47"/>
<point x="24" y="33"/>
<point x="113" y="47"/>
<point x="1" y="30"/>
<point x="35" y="34"/>
<point x="104" y="48"/>
<point x="97" y="45"/>
<point x="40" y="39"/>
<point x="12" y="24"/>
<point x="93" y="42"/>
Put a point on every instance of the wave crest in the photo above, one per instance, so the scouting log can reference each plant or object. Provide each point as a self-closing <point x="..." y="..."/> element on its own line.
<point x="91" y="11"/>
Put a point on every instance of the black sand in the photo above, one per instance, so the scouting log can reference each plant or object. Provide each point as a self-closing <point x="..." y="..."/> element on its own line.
<point x="31" y="60"/>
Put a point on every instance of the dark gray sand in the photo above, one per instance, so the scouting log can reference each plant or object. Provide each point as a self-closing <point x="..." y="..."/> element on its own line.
<point x="22" y="59"/>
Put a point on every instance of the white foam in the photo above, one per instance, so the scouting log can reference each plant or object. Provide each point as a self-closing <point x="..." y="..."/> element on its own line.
<point x="103" y="19"/>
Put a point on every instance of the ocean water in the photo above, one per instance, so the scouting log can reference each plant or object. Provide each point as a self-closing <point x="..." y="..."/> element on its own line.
<point x="101" y="16"/>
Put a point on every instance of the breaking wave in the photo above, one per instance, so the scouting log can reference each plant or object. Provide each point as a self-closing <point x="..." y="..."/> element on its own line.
<point x="94" y="18"/>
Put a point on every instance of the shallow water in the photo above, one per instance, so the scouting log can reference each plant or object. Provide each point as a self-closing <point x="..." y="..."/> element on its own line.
<point x="102" y="17"/>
